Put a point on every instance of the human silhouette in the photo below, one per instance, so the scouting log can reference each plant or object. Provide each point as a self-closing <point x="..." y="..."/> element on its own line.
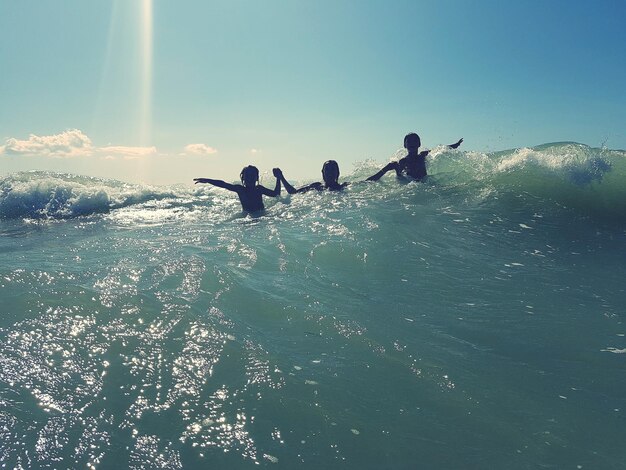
<point x="250" y="192"/>
<point x="330" y="175"/>
<point x="414" y="164"/>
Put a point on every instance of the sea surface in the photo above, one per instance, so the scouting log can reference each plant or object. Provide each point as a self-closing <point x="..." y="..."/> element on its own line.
<point x="474" y="321"/>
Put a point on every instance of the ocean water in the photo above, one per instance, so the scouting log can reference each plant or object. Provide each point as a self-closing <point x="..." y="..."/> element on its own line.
<point x="474" y="321"/>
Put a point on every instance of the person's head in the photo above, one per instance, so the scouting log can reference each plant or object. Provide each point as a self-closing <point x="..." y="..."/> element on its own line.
<point x="330" y="172"/>
<point x="412" y="141"/>
<point x="249" y="176"/>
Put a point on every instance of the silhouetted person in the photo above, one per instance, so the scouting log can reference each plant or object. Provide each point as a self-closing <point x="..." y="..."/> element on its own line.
<point x="414" y="164"/>
<point x="330" y="174"/>
<point x="250" y="194"/>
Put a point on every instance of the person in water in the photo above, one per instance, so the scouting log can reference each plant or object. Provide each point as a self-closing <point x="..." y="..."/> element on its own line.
<point x="414" y="164"/>
<point x="250" y="192"/>
<point x="330" y="175"/>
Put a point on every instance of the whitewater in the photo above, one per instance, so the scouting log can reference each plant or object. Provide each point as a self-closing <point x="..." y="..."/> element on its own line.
<point x="472" y="321"/>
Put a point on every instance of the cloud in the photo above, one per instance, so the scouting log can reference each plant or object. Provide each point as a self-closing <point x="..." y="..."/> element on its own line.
<point x="253" y="151"/>
<point x="199" y="149"/>
<point x="68" y="144"/>
<point x="128" y="153"/>
<point x="71" y="143"/>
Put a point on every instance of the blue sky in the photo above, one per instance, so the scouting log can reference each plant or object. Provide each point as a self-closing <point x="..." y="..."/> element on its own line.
<point x="294" y="83"/>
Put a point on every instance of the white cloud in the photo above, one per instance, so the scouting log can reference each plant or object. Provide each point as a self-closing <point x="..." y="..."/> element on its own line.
<point x="128" y="153"/>
<point x="253" y="151"/>
<point x="199" y="149"/>
<point x="71" y="143"/>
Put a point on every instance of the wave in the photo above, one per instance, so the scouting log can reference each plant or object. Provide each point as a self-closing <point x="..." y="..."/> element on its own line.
<point x="50" y="195"/>
<point x="570" y="163"/>
<point x="565" y="174"/>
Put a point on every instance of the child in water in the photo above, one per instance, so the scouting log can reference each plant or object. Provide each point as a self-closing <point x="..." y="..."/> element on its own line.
<point x="330" y="174"/>
<point x="250" y="194"/>
<point x="414" y="164"/>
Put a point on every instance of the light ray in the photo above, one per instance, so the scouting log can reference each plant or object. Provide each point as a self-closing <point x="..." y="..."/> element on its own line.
<point x="106" y="69"/>
<point x="145" y="125"/>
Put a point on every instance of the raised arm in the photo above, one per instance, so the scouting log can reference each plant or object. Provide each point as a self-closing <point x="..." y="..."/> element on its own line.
<point x="388" y="167"/>
<point x="279" y="176"/>
<point x="290" y="189"/>
<point x="219" y="184"/>
<point x="456" y="144"/>
<point x="276" y="191"/>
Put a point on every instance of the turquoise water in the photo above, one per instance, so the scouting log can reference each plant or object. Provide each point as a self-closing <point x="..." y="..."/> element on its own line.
<point x="474" y="321"/>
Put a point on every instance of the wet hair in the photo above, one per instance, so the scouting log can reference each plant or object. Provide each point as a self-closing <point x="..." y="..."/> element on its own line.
<point x="248" y="169"/>
<point x="412" y="135"/>
<point x="330" y="165"/>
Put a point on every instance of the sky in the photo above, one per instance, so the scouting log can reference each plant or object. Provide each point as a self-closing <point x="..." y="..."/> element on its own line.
<point x="163" y="91"/>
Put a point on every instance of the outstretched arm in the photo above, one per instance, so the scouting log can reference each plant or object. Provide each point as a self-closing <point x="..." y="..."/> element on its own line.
<point x="388" y="167"/>
<point x="456" y="144"/>
<point x="219" y="184"/>
<point x="317" y="186"/>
